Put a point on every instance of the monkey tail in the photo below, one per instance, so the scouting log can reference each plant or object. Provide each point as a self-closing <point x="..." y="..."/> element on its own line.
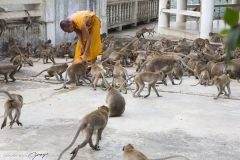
<point x="127" y="76"/>
<point x="170" y="157"/>
<point x="7" y="93"/>
<point x="107" y="85"/>
<point x="196" y="84"/>
<point x="82" y="126"/>
<point x="129" y="44"/>
<point x="41" y="72"/>
<point x="105" y="60"/>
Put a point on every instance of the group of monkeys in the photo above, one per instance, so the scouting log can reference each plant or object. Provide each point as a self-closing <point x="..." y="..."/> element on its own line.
<point x="155" y="60"/>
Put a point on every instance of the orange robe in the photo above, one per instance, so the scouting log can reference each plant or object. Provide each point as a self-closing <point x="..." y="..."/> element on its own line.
<point x="94" y="31"/>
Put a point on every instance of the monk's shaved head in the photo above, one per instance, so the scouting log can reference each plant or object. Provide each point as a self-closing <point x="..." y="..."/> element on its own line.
<point x="67" y="25"/>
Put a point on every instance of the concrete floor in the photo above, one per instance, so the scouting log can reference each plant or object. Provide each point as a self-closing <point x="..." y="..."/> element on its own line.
<point x="182" y="123"/>
<point x="189" y="30"/>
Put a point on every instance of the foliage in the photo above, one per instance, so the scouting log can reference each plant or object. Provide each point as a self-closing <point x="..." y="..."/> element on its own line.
<point x="231" y="17"/>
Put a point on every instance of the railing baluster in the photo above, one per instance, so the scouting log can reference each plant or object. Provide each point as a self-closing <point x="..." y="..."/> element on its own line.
<point x="121" y="13"/>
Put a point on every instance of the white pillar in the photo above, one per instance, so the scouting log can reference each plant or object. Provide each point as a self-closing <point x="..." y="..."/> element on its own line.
<point x="234" y="1"/>
<point x="207" y="9"/>
<point x="103" y="15"/>
<point x="49" y="18"/>
<point x="135" y="12"/>
<point x="163" y="18"/>
<point x="181" y="5"/>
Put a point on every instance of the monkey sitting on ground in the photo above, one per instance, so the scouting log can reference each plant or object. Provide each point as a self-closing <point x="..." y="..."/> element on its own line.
<point x="20" y="59"/>
<point x="182" y="46"/>
<point x="108" y="68"/>
<point x="215" y="37"/>
<point x="97" y="72"/>
<point x="55" y="70"/>
<point x="130" y="153"/>
<point x="204" y="78"/>
<point x="116" y="102"/>
<point x="198" y="44"/>
<point x="75" y="72"/>
<point x="151" y="78"/>
<point x="14" y="102"/>
<point x="96" y="120"/>
<point x="221" y="82"/>
<point x="8" y="69"/>
<point x="119" y="71"/>
<point x="121" y="84"/>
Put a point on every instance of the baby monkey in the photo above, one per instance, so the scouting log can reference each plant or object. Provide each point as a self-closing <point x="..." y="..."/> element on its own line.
<point x="151" y="78"/>
<point x="130" y="153"/>
<point x="222" y="82"/>
<point x="14" y="102"/>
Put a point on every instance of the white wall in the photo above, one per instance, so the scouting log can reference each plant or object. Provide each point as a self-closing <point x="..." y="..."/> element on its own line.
<point x="63" y="8"/>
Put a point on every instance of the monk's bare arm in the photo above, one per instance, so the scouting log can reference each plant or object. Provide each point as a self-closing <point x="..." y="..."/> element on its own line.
<point x="86" y="33"/>
<point x="79" y="34"/>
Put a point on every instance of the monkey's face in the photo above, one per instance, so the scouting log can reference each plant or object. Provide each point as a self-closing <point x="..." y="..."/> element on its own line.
<point x="210" y="34"/>
<point x="128" y="147"/>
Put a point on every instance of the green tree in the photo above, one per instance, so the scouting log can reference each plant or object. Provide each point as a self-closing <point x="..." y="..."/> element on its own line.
<point x="231" y="17"/>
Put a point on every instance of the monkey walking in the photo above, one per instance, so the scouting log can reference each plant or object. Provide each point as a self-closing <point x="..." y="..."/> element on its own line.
<point x="151" y="78"/>
<point x="46" y="54"/>
<point x="130" y="153"/>
<point x="222" y="82"/>
<point x="96" y="120"/>
<point x="8" y="69"/>
<point x="164" y="63"/>
<point x="55" y="70"/>
<point x="14" y="102"/>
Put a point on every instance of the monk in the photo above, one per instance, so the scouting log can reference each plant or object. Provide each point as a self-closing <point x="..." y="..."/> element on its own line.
<point x="87" y="27"/>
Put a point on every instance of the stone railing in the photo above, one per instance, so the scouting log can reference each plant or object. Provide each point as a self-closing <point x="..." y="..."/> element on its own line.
<point x="125" y="12"/>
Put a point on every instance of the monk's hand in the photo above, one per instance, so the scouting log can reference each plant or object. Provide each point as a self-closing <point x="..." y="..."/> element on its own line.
<point x="77" y="60"/>
<point x="84" y="57"/>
